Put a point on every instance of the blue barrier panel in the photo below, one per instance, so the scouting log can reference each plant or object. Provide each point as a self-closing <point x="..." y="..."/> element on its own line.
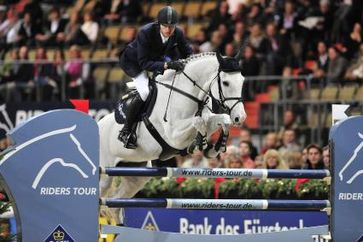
<point x="52" y="175"/>
<point x="346" y="195"/>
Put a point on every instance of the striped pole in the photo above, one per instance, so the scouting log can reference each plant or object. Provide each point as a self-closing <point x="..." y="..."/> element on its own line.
<point x="213" y="173"/>
<point x="224" y="204"/>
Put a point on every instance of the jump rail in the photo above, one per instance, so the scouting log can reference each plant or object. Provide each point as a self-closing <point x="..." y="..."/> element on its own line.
<point x="213" y="173"/>
<point x="225" y="204"/>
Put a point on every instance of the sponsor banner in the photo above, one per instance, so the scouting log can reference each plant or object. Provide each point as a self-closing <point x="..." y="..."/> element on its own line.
<point x="221" y="222"/>
<point x="13" y="114"/>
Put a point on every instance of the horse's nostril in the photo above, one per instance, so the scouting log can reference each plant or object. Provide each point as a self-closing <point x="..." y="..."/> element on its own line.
<point x="236" y="119"/>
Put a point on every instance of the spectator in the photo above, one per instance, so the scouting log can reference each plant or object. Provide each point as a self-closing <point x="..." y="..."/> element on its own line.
<point x="234" y="6"/>
<point x="9" y="30"/>
<point x="322" y="61"/>
<point x="23" y="78"/>
<point x="289" y="122"/>
<point x="245" y="151"/>
<point x="289" y="142"/>
<point x="197" y="160"/>
<point x="214" y="162"/>
<point x="234" y="161"/>
<point x="254" y="16"/>
<point x="90" y="27"/>
<point x="355" y="70"/>
<point x="277" y="50"/>
<point x="73" y="69"/>
<point x="326" y="157"/>
<point x="27" y="31"/>
<point x="245" y="135"/>
<point x="34" y="8"/>
<point x="259" y="162"/>
<point x="54" y="27"/>
<point x="250" y="63"/>
<point x="314" y="160"/>
<point x="10" y="67"/>
<point x="353" y="41"/>
<point x="225" y="35"/>
<point x="294" y="160"/>
<point x="200" y="37"/>
<point x="58" y="70"/>
<point x="336" y="68"/>
<point x="273" y="160"/>
<point x="215" y="43"/>
<point x="220" y="15"/>
<point x="324" y="26"/>
<point x="287" y="21"/>
<point x="231" y="151"/>
<point x="270" y="142"/>
<point x="340" y="25"/>
<point x="8" y="72"/>
<point x="73" y="34"/>
<point x="258" y="41"/>
<point x="250" y="67"/>
<point x="240" y="35"/>
<point x="229" y="50"/>
<point x="43" y="71"/>
<point x="124" y="11"/>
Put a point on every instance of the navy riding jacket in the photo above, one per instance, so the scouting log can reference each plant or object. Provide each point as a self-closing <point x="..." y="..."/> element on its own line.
<point x="147" y="52"/>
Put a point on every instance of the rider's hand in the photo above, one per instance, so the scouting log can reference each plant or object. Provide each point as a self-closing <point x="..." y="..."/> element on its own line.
<point x="175" y="65"/>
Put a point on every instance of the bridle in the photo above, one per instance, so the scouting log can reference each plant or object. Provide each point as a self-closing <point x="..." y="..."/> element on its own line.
<point x="218" y="105"/>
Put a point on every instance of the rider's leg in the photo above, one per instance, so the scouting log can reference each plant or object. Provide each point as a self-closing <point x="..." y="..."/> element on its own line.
<point x="128" y="133"/>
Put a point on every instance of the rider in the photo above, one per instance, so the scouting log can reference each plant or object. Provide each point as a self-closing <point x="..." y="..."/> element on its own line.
<point x="155" y="49"/>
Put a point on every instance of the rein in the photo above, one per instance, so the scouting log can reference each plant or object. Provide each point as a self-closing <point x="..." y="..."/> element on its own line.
<point x="220" y="104"/>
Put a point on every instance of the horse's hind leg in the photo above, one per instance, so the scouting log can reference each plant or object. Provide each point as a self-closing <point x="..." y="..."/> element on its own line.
<point x="126" y="187"/>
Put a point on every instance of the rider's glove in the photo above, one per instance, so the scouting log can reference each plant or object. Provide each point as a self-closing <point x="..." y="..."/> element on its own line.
<point x="175" y="65"/>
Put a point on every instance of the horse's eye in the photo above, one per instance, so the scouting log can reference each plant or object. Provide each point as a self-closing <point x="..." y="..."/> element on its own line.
<point x="225" y="83"/>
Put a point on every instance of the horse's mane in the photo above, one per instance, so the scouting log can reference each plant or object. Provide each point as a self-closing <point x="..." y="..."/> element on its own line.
<point x="197" y="56"/>
<point x="167" y="76"/>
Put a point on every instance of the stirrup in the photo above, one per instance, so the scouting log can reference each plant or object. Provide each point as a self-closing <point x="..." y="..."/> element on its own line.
<point x="128" y="138"/>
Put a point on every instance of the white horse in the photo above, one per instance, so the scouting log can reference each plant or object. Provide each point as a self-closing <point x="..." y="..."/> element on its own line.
<point x="180" y="96"/>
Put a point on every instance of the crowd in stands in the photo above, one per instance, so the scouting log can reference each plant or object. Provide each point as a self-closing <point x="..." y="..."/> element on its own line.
<point x="280" y="150"/>
<point x="278" y="37"/>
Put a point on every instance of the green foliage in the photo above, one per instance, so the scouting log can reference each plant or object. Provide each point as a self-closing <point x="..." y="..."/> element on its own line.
<point x="235" y="188"/>
<point x="4" y="227"/>
<point x="160" y="187"/>
<point x="192" y="188"/>
<point x="314" y="189"/>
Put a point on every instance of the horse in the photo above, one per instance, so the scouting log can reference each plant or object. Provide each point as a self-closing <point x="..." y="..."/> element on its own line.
<point x="183" y="107"/>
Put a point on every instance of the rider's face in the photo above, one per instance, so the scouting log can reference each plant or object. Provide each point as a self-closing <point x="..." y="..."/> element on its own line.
<point x="167" y="30"/>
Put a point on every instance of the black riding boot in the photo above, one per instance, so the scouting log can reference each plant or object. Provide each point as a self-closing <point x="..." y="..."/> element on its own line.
<point x="128" y="133"/>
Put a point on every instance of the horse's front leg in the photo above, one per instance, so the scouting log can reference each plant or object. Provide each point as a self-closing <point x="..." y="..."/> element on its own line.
<point x="207" y="124"/>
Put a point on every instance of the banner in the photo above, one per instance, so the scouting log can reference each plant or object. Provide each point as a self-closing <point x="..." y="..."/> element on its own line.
<point x="221" y="222"/>
<point x="12" y="114"/>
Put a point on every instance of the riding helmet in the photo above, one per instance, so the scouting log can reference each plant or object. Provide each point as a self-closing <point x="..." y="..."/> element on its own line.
<point x="168" y="15"/>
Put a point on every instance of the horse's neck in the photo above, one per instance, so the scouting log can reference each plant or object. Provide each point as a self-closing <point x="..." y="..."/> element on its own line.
<point x="201" y="71"/>
<point x="178" y="129"/>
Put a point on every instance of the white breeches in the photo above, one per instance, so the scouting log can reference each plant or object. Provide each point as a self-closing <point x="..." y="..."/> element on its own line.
<point x="142" y="85"/>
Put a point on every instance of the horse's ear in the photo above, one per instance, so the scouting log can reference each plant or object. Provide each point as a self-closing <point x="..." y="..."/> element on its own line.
<point x="219" y="57"/>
